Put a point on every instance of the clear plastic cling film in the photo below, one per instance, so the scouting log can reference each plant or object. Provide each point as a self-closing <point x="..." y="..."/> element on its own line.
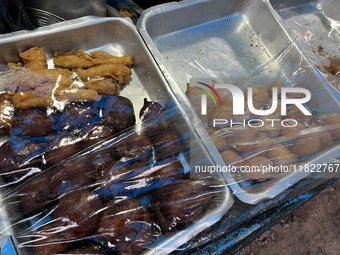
<point x="315" y="28"/>
<point x="82" y="174"/>
<point x="272" y="128"/>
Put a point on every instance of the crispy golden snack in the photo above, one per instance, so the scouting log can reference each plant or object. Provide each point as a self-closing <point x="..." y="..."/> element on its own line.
<point x="79" y="59"/>
<point x="42" y="87"/>
<point x="28" y="99"/>
<point x="34" y="58"/>
<point x="15" y="64"/>
<point x="119" y="72"/>
<point x="103" y="87"/>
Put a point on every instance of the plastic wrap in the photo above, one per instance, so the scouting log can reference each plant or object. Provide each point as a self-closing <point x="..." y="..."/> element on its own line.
<point x="101" y="175"/>
<point x="84" y="171"/>
<point x="265" y="154"/>
<point x="314" y="25"/>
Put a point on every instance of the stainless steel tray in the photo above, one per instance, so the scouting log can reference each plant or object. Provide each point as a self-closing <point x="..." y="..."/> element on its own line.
<point x="117" y="36"/>
<point x="227" y="40"/>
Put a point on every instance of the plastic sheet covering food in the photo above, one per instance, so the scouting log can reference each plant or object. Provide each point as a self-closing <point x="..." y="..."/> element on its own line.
<point x="315" y="26"/>
<point x="272" y="128"/>
<point x="80" y="175"/>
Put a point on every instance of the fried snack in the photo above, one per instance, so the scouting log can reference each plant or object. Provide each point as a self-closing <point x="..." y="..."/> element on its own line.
<point x="48" y="241"/>
<point x="127" y="218"/>
<point x="280" y="155"/>
<point x="28" y="99"/>
<point x="80" y="59"/>
<point x="138" y="147"/>
<point x="333" y="125"/>
<point x="119" y="72"/>
<point x="295" y="113"/>
<point x="292" y="133"/>
<point x="88" y="247"/>
<point x="231" y="157"/>
<point x="150" y="109"/>
<point x="34" y="123"/>
<point x="118" y="111"/>
<point x="38" y="89"/>
<point x="262" y="144"/>
<point x="96" y="133"/>
<point x="78" y="213"/>
<point x="324" y="136"/>
<point x="33" y="196"/>
<point x="183" y="201"/>
<point x="15" y="64"/>
<point x="74" y="176"/>
<point x="34" y="58"/>
<point x="218" y="139"/>
<point x="65" y="145"/>
<point x="103" y="86"/>
<point x="306" y="145"/>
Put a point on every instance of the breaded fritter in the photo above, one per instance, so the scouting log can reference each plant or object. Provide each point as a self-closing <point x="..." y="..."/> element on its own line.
<point x="77" y="59"/>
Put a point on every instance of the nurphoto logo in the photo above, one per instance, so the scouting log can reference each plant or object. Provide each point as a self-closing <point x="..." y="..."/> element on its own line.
<point x="238" y="99"/>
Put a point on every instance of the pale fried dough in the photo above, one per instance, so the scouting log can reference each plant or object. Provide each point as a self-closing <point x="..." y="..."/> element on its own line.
<point x="78" y="59"/>
<point x="104" y="86"/>
<point x="34" y="58"/>
<point x="119" y="72"/>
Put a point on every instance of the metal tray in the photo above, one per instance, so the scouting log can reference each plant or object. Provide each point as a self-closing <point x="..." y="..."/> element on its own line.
<point x="117" y="36"/>
<point x="221" y="44"/>
<point x="316" y="22"/>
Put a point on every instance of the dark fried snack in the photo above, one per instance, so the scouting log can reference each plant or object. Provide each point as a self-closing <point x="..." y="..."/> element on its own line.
<point x="78" y="115"/>
<point x="34" y="196"/>
<point x="34" y="122"/>
<point x="127" y="225"/>
<point x="47" y="240"/>
<point x="65" y="145"/>
<point x="149" y="110"/>
<point x="182" y="202"/>
<point x="167" y="144"/>
<point x="118" y="112"/>
<point x="102" y="165"/>
<point x="78" y="213"/>
<point x="136" y="147"/>
<point x="70" y="176"/>
<point x="168" y="172"/>
<point x="95" y="133"/>
<point x="89" y="248"/>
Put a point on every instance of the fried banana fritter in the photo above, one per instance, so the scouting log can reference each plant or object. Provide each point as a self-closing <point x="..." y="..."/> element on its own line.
<point x="39" y="87"/>
<point x="119" y="72"/>
<point x="103" y="86"/>
<point x="34" y="58"/>
<point x="78" y="59"/>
